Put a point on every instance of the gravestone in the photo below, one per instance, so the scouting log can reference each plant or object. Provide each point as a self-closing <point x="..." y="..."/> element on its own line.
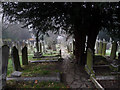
<point x="89" y="64"/>
<point x="113" y="51"/>
<point x="97" y="47"/>
<point x="5" y="56"/>
<point x="119" y="56"/>
<point x="108" y="46"/>
<point x="40" y="47"/>
<point x="24" y="56"/>
<point x="60" y="53"/>
<point x="15" y="59"/>
<point x="100" y="48"/>
<point x="44" y="51"/>
<point x="104" y="49"/>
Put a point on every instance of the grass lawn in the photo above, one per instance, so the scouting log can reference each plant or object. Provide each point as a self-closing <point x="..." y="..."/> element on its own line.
<point x="34" y="70"/>
<point x="39" y="69"/>
<point x="30" y="57"/>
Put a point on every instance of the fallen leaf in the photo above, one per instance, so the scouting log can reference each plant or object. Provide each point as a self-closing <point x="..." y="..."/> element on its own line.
<point x="36" y="81"/>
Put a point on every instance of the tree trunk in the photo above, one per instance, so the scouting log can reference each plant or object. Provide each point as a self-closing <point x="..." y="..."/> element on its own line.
<point x="92" y="35"/>
<point x="80" y="47"/>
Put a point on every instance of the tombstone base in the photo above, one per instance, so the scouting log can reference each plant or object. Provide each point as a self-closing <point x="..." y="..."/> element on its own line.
<point x="16" y="74"/>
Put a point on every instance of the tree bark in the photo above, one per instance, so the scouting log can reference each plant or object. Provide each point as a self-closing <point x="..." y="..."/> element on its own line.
<point x="92" y="35"/>
<point x="80" y="47"/>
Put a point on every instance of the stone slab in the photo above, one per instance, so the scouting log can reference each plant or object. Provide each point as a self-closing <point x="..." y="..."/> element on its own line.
<point x="41" y="61"/>
<point x="16" y="74"/>
<point x="96" y="66"/>
<point x="97" y="84"/>
<point x="44" y="78"/>
<point x="106" y="78"/>
<point x="115" y="72"/>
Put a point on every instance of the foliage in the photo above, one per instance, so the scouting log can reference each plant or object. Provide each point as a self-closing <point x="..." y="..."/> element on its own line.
<point x="15" y="33"/>
<point x="80" y="19"/>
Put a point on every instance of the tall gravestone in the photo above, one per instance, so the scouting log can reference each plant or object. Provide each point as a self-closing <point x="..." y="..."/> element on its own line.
<point x="100" y="48"/>
<point x="89" y="64"/>
<point x="15" y="59"/>
<point x="113" y="51"/>
<point x="24" y="56"/>
<point x="97" y="47"/>
<point x="44" y="51"/>
<point x="104" y="49"/>
<point x="5" y="56"/>
<point x="40" y="47"/>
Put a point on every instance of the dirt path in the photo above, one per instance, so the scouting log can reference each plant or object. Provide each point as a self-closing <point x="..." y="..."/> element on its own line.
<point x="74" y="76"/>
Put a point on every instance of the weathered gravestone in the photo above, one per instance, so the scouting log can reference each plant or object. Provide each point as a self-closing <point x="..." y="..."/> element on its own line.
<point x="100" y="48"/>
<point x="97" y="47"/>
<point x="40" y="47"/>
<point x="15" y="59"/>
<point x="113" y="51"/>
<point x="89" y="65"/>
<point x="5" y="55"/>
<point x="119" y="56"/>
<point x="24" y="56"/>
<point x="44" y="51"/>
<point x="104" y="49"/>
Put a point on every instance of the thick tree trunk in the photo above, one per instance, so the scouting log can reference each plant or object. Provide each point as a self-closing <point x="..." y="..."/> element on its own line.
<point x="80" y="47"/>
<point x="92" y="35"/>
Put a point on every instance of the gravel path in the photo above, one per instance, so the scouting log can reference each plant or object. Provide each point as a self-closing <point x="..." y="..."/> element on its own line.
<point x="73" y="75"/>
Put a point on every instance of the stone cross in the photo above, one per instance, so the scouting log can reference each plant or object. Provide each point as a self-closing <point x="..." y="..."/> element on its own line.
<point x="5" y="56"/>
<point x="24" y="56"/>
<point x="15" y="59"/>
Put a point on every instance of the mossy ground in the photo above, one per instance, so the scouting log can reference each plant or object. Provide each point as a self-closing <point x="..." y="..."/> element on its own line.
<point x="36" y="84"/>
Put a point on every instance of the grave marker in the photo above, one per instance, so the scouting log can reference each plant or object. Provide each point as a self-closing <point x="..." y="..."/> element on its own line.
<point x="97" y="47"/>
<point x="24" y="56"/>
<point x="5" y="56"/>
<point x="100" y="48"/>
<point x="15" y="59"/>
<point x="113" y="51"/>
<point x="104" y="49"/>
<point x="40" y="47"/>
<point x="89" y="65"/>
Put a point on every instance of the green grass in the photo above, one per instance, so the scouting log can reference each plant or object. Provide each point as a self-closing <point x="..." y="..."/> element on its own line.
<point x="10" y="64"/>
<point x="30" y="57"/>
<point x="36" y="84"/>
<point x="39" y="69"/>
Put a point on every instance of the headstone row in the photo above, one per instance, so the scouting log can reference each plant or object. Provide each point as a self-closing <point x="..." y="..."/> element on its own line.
<point x="15" y="58"/>
<point x="101" y="48"/>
